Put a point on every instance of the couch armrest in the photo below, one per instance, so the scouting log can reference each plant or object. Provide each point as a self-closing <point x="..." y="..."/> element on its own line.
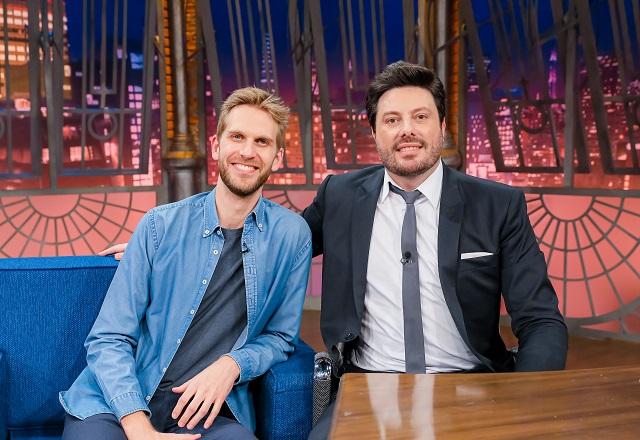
<point x="4" y="395"/>
<point x="283" y="397"/>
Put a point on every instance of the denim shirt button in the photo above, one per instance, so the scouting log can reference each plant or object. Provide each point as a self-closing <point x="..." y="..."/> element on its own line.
<point x="148" y="398"/>
<point x="206" y="232"/>
<point x="215" y="252"/>
<point x="204" y="281"/>
<point x="179" y="341"/>
<point x="192" y="311"/>
<point x="164" y="370"/>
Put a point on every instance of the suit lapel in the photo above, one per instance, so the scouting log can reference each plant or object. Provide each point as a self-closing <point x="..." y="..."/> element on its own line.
<point x="362" y="213"/>
<point x="450" y="224"/>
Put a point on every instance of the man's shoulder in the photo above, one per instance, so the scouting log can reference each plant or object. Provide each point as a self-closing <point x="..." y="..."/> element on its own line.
<point x="353" y="179"/>
<point x="282" y="217"/>
<point x="196" y="201"/>
<point x="357" y="175"/>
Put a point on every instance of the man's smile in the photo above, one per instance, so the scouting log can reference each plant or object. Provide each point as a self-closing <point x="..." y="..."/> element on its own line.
<point x="244" y="168"/>
<point x="408" y="146"/>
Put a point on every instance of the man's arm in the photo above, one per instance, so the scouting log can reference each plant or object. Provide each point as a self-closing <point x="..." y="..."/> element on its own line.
<point x="113" y="339"/>
<point x="279" y="335"/>
<point x="529" y="296"/>
<point x="314" y="216"/>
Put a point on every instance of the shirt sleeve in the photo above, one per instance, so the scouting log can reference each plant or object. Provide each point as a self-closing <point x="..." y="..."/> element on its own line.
<point x="280" y="333"/>
<point x="113" y="339"/>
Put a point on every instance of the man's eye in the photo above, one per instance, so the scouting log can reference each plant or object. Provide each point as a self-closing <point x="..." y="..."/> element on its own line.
<point x="422" y="116"/>
<point x="236" y="136"/>
<point x="391" y="120"/>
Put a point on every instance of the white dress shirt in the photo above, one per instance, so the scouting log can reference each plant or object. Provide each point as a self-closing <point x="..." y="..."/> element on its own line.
<point x="381" y="345"/>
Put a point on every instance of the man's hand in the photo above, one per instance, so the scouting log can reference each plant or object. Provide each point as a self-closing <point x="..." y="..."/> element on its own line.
<point x="138" y="427"/>
<point x="117" y="250"/>
<point x="205" y="393"/>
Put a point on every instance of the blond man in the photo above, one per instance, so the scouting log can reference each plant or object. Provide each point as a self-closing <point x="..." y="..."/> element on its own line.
<point x="208" y="297"/>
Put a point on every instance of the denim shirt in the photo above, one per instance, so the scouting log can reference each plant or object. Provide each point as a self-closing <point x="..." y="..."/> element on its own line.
<point x="156" y="292"/>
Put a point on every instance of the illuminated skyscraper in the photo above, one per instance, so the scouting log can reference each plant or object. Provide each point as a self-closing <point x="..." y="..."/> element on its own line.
<point x="14" y="55"/>
<point x="267" y="76"/>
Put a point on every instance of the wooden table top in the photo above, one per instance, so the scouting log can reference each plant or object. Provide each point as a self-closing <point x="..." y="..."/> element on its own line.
<point x="601" y="403"/>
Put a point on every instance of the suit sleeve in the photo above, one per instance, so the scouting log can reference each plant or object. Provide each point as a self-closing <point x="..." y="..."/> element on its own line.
<point x="314" y="216"/>
<point x="529" y="296"/>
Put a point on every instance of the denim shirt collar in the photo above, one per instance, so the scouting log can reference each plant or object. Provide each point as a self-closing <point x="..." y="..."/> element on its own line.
<point x="212" y="223"/>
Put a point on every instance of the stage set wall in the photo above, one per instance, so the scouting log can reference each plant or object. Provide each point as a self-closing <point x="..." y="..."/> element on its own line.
<point x="78" y="177"/>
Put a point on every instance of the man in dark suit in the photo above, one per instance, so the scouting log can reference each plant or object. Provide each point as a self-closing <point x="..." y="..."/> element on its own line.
<point x="458" y="247"/>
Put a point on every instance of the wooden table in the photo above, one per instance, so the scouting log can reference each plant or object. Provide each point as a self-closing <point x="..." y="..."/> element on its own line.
<point x="602" y="404"/>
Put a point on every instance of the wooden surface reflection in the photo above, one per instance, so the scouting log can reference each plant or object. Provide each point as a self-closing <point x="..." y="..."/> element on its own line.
<point x="598" y="404"/>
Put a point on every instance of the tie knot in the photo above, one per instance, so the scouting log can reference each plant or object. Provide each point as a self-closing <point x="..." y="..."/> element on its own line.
<point x="408" y="196"/>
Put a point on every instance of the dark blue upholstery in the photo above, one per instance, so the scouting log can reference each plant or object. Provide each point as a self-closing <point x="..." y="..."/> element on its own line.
<point x="285" y="396"/>
<point x="3" y="398"/>
<point x="48" y="306"/>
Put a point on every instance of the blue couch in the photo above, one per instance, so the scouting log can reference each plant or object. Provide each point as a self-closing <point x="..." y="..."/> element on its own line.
<point x="47" y="307"/>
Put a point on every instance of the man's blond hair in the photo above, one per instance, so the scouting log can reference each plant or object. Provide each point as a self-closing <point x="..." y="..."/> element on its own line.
<point x="261" y="99"/>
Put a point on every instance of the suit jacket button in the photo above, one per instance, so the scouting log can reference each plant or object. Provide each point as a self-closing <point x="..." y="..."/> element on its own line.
<point x="349" y="336"/>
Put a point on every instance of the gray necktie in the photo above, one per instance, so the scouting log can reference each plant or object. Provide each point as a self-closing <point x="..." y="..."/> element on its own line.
<point x="411" y="310"/>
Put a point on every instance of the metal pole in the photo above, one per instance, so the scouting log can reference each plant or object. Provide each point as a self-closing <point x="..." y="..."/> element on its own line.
<point x="182" y="162"/>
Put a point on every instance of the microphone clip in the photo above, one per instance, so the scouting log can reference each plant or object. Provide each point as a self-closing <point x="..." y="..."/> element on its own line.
<point x="406" y="258"/>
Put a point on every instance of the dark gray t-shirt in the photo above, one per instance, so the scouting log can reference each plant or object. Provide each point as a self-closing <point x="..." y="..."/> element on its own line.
<point x="219" y="321"/>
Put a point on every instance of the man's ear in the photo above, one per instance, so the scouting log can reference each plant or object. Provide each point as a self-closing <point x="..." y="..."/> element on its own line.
<point x="277" y="161"/>
<point x="443" y="126"/>
<point x="215" y="147"/>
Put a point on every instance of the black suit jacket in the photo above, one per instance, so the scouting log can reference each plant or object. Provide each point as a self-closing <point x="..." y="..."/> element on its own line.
<point x="475" y="215"/>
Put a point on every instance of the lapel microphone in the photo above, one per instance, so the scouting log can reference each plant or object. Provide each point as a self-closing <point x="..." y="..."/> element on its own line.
<point x="406" y="258"/>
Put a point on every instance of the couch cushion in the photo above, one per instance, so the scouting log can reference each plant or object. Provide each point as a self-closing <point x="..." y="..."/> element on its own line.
<point x="50" y="305"/>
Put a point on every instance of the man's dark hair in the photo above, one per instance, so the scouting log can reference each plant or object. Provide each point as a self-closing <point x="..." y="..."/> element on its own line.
<point x="401" y="74"/>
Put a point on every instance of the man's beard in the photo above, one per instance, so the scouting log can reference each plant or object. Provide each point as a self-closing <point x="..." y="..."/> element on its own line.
<point x="242" y="187"/>
<point x="410" y="168"/>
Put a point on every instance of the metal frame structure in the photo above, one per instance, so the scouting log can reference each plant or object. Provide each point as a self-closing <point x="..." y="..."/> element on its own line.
<point x="519" y="46"/>
<point x="363" y="55"/>
<point x="104" y="69"/>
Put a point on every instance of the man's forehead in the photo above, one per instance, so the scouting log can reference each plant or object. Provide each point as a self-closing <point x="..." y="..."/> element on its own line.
<point x="406" y="98"/>
<point x="251" y="120"/>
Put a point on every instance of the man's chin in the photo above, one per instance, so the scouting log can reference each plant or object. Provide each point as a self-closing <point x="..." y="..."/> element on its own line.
<point x="409" y="170"/>
<point x="245" y="188"/>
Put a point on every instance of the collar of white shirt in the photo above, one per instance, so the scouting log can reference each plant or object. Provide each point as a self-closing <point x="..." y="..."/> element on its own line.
<point x="431" y="188"/>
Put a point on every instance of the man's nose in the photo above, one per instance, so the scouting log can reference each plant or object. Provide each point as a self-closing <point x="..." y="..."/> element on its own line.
<point x="406" y="127"/>
<point x="248" y="149"/>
